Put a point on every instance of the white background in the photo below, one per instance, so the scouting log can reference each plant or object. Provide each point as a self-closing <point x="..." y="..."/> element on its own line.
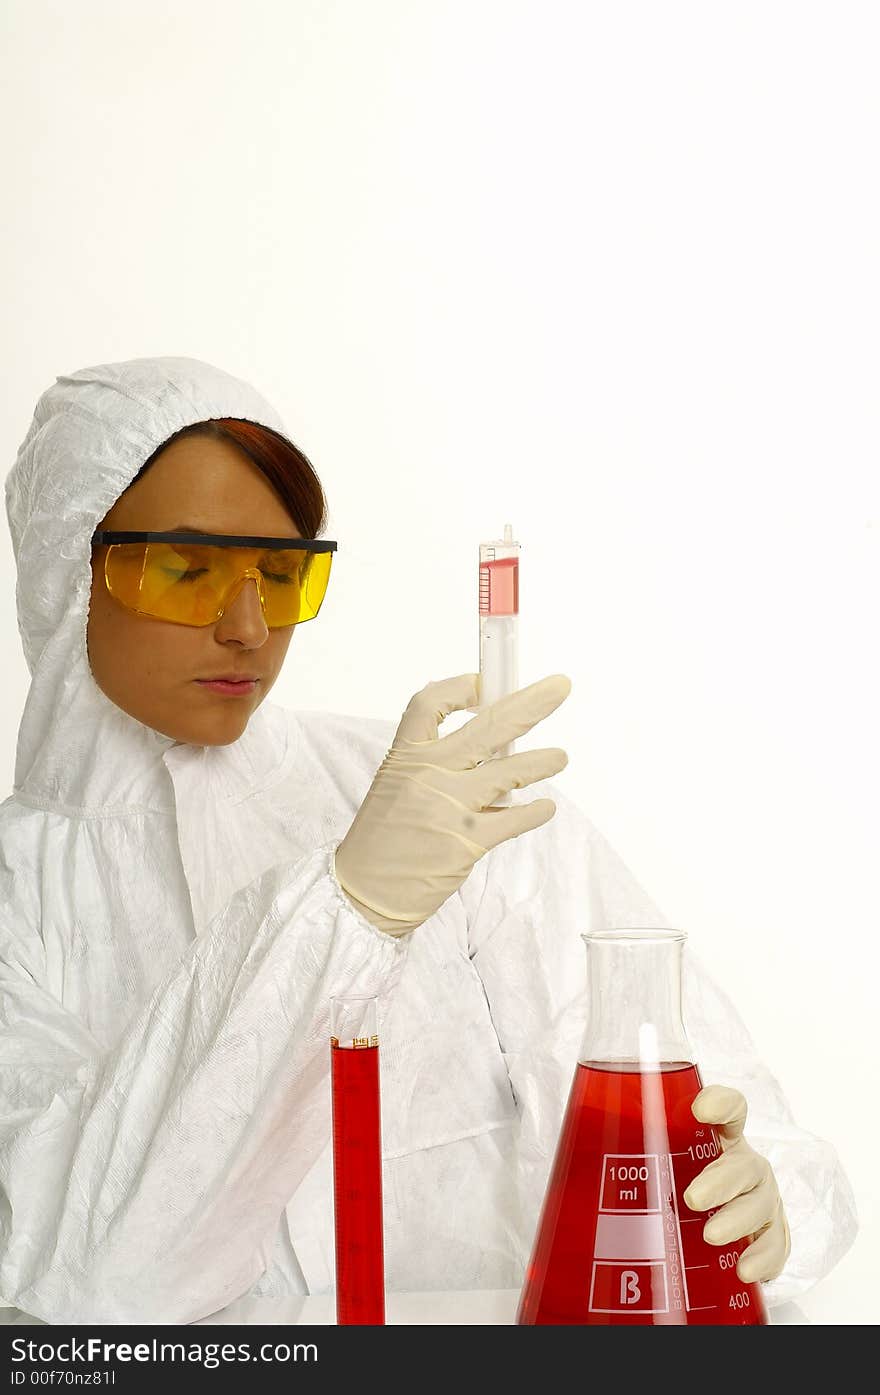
<point x="608" y="272"/>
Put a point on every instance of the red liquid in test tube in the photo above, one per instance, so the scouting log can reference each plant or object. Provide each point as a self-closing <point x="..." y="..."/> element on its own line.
<point x="357" y="1162"/>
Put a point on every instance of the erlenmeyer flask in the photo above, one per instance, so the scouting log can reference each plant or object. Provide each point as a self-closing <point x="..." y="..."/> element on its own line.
<point x="616" y="1243"/>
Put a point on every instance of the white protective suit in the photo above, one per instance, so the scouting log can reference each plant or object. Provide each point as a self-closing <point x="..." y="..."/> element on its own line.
<point x="171" y="932"/>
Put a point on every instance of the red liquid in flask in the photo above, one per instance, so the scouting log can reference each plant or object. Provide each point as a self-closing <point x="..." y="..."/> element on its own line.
<point x="357" y="1185"/>
<point x="616" y="1243"/>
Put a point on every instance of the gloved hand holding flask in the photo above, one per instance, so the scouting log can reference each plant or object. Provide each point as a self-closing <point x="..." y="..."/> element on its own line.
<point x="428" y="815"/>
<point x="616" y="1243"/>
<point x="742" y="1186"/>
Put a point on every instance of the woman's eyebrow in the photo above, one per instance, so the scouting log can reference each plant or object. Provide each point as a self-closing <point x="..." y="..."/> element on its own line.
<point x="188" y="528"/>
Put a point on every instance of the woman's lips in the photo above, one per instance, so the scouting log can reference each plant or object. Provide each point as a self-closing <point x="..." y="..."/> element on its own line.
<point x="219" y="685"/>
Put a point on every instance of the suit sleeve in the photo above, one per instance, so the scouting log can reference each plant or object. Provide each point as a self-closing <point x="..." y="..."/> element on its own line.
<point x="144" y="1183"/>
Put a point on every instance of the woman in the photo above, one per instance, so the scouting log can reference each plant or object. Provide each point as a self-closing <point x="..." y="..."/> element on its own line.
<point x="189" y="874"/>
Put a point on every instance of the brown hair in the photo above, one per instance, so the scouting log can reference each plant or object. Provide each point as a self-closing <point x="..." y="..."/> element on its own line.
<point x="285" y="466"/>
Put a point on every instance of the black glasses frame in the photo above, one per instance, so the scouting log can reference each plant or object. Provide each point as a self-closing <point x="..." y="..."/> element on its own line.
<point x="217" y="540"/>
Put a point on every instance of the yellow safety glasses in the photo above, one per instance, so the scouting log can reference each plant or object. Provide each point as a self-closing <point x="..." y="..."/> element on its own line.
<point x="189" y="578"/>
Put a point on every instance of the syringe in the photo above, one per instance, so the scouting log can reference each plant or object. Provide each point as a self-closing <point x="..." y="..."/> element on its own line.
<point x="499" y="626"/>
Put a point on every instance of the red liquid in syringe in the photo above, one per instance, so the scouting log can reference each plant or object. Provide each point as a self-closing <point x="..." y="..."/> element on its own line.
<point x="616" y="1243"/>
<point x="499" y="586"/>
<point x="357" y="1185"/>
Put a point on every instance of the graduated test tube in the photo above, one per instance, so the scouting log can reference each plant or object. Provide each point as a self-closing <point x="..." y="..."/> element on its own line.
<point x="357" y="1161"/>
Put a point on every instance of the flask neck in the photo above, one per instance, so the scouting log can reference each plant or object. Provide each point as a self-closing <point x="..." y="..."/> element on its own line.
<point x="634" y="999"/>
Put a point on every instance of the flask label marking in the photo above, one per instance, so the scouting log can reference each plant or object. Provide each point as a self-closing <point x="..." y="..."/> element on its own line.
<point x="628" y="1288"/>
<point x="631" y="1254"/>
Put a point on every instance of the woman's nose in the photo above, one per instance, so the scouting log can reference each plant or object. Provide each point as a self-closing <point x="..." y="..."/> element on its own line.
<point x="242" y="616"/>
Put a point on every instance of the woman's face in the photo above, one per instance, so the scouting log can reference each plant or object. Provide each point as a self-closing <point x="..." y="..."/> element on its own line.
<point x="149" y="667"/>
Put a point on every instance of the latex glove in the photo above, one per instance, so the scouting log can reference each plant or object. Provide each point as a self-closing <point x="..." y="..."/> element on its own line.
<point x="742" y="1184"/>
<point x="426" y="818"/>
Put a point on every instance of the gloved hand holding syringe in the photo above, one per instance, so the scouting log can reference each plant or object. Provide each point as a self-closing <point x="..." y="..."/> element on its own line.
<point x="438" y="803"/>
